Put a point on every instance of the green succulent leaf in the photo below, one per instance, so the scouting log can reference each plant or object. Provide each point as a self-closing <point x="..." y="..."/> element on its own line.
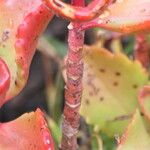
<point x="111" y="84"/>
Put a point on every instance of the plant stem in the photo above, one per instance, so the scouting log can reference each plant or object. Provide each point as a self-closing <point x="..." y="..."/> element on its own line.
<point x="73" y="89"/>
<point x="142" y="50"/>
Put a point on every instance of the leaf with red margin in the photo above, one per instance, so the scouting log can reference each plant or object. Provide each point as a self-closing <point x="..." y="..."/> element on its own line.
<point x="136" y="136"/>
<point x="124" y="16"/>
<point x="21" y="23"/>
<point x="94" y="9"/>
<point x="144" y="101"/>
<point x="4" y="80"/>
<point x="29" y="131"/>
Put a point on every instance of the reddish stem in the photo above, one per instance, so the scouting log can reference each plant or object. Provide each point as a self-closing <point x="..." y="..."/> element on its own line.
<point x="142" y="50"/>
<point x="73" y="90"/>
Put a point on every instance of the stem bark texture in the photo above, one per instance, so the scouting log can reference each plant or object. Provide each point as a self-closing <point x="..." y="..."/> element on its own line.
<point x="73" y="88"/>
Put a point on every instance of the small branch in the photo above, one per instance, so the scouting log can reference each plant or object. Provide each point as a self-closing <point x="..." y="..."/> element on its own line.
<point x="73" y="89"/>
<point x="142" y="50"/>
<point x="97" y="22"/>
<point x="74" y="13"/>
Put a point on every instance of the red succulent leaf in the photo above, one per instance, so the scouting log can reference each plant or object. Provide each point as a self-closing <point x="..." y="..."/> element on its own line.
<point x="77" y="13"/>
<point x="124" y="16"/>
<point x="21" y="23"/>
<point x="29" y="131"/>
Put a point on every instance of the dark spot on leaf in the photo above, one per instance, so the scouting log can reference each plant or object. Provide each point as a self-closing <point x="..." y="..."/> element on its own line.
<point x="120" y="118"/>
<point x="101" y="98"/>
<point x="113" y="1"/>
<point x="75" y="113"/>
<point x="5" y="35"/>
<point x="41" y="128"/>
<point x="107" y="21"/>
<point x="115" y="83"/>
<point x="87" y="101"/>
<point x="117" y="73"/>
<point x="102" y="70"/>
<point x="3" y="45"/>
<point x="143" y="10"/>
<point x="16" y="83"/>
<point x="135" y="86"/>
